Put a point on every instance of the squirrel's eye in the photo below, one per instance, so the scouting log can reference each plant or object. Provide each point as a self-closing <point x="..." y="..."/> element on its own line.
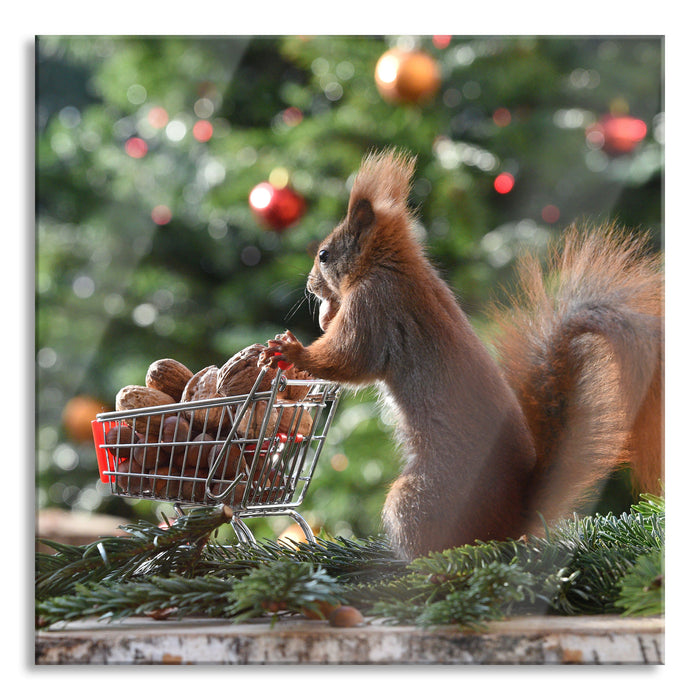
<point x="323" y="255"/>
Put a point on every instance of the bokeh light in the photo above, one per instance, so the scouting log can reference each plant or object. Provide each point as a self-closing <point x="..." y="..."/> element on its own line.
<point x="136" y="147"/>
<point x="279" y="177"/>
<point x="504" y="183"/>
<point x="158" y="117"/>
<point x="387" y="68"/>
<point x="261" y="195"/>
<point x="204" y="108"/>
<point x="161" y="214"/>
<point x="616" y="135"/>
<point x="339" y="462"/>
<point x="202" y="130"/>
<point x="501" y="117"/>
<point x="442" y="41"/>
<point x="251" y="255"/>
<point x="176" y="130"/>
<point x="550" y="213"/>
<point x="292" y="116"/>
<point x="144" y="314"/>
<point x="136" y="94"/>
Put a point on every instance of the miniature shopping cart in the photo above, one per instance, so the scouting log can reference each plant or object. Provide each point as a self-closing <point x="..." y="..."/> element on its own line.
<point x="255" y="453"/>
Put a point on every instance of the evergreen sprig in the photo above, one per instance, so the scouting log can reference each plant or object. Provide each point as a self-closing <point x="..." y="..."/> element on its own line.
<point x="347" y="560"/>
<point x="144" y="549"/>
<point x="577" y="569"/>
<point x="284" y="586"/>
<point x="175" y="595"/>
<point x="642" y="588"/>
<point x="595" y="564"/>
<point x="277" y="587"/>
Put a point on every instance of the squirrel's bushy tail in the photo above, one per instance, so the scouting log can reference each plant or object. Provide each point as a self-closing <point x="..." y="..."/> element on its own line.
<point x="582" y="347"/>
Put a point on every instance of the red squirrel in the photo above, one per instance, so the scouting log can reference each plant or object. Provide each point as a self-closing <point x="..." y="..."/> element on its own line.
<point x="491" y="449"/>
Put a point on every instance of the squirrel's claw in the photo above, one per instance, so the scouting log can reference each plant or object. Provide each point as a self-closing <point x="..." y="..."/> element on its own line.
<point x="276" y="351"/>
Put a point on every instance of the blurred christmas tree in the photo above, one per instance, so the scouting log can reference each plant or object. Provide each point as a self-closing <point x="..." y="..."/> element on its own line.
<point x="154" y="239"/>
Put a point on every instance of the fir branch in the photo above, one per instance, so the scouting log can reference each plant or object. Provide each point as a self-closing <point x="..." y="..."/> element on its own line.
<point x="113" y="600"/>
<point x="365" y="559"/>
<point x="272" y="588"/>
<point x="650" y="505"/>
<point x="492" y="593"/>
<point x="601" y="550"/>
<point x="584" y="565"/>
<point x="145" y="549"/>
<point x="487" y="592"/>
<point x="577" y="569"/>
<point x="284" y="586"/>
<point x="642" y="588"/>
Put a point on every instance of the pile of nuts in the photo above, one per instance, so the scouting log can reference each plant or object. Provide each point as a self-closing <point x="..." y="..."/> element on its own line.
<point x="170" y="454"/>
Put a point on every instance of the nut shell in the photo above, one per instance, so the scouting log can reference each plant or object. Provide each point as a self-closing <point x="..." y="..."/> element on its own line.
<point x="202" y="385"/>
<point x="227" y="468"/>
<point x="175" y="435"/>
<point x="169" y="376"/>
<point x="294" y="419"/>
<point x="134" y="396"/>
<point x="198" y="454"/>
<point x="130" y="477"/>
<point x="252" y="422"/>
<point x="180" y="489"/>
<point x="346" y="616"/>
<point x="121" y="435"/>
<point x="149" y="456"/>
<point x="238" y="374"/>
<point x="296" y="393"/>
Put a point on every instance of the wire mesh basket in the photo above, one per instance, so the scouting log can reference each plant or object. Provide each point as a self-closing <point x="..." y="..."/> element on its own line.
<point x="255" y="453"/>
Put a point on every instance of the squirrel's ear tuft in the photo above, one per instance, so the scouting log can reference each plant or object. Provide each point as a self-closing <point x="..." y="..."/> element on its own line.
<point x="384" y="177"/>
<point x="361" y="216"/>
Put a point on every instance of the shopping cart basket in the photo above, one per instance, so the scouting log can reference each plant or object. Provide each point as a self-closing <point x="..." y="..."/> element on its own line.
<point x="255" y="453"/>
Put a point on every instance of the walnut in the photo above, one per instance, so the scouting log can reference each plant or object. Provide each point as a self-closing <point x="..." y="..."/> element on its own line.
<point x="134" y="396"/>
<point x="238" y="374"/>
<point x="168" y="376"/>
<point x="203" y="385"/>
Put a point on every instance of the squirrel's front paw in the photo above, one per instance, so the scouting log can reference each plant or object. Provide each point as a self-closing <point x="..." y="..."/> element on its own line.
<point x="283" y="351"/>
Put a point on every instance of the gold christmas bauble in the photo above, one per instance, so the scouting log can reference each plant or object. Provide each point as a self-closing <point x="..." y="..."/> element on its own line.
<point x="407" y="76"/>
<point x="78" y="414"/>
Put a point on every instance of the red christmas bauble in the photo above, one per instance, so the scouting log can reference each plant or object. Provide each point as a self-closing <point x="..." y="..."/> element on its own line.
<point x="616" y="135"/>
<point x="276" y="207"/>
<point x="407" y="76"/>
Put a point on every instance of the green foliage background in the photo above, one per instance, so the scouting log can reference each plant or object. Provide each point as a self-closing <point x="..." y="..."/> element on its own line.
<point x="115" y="291"/>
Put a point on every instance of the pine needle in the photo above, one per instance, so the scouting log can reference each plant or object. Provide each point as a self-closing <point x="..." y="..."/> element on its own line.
<point x="590" y="565"/>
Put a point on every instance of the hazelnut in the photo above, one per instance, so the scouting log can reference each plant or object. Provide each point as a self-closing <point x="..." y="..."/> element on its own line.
<point x="294" y="419"/>
<point x="175" y="435"/>
<point x="149" y="456"/>
<point x="189" y="486"/>
<point x="130" y="478"/>
<point x="252" y="425"/>
<point x="198" y="451"/>
<point x="346" y="616"/>
<point x="229" y="465"/>
<point x="321" y="610"/>
<point x="119" y="436"/>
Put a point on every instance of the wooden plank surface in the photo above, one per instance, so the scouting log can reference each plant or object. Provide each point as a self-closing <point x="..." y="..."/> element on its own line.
<point x="525" y="640"/>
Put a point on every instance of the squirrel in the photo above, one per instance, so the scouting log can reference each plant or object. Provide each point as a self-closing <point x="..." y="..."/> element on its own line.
<point x="492" y="447"/>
